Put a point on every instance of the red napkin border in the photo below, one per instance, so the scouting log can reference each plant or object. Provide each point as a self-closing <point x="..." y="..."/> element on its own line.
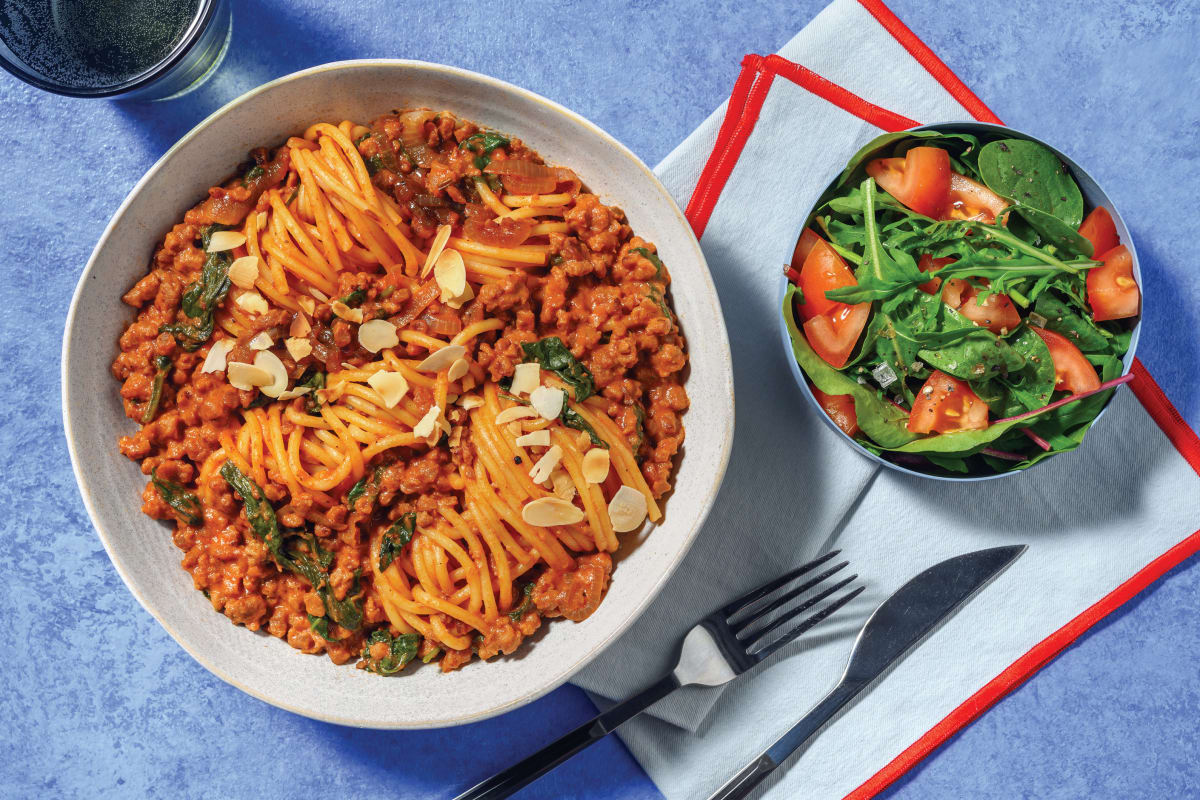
<point x="745" y="104"/>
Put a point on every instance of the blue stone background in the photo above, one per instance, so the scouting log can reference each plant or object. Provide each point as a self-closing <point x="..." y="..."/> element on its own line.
<point x="99" y="702"/>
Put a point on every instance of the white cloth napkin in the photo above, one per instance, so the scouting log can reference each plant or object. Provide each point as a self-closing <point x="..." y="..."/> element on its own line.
<point x="1092" y="518"/>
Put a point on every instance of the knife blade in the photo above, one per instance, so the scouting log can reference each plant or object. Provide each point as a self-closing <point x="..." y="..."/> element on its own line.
<point x="895" y="627"/>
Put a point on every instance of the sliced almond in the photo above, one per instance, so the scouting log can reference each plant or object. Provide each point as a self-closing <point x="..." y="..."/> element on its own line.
<point x="468" y="383"/>
<point x="516" y="428"/>
<point x="546" y="512"/>
<point x="526" y="378"/>
<point x="458" y="369"/>
<point x="246" y="376"/>
<point x="217" y="353"/>
<point x="595" y="465"/>
<point x="307" y="304"/>
<point x="221" y="241"/>
<point x="547" y="401"/>
<point x="377" y="334"/>
<point x="266" y="360"/>
<point x="343" y="311"/>
<point x="261" y="341"/>
<point x="435" y="248"/>
<point x="564" y="487"/>
<point x="392" y="386"/>
<point x="470" y="401"/>
<point x="514" y="413"/>
<point x="317" y="293"/>
<point x="458" y="302"/>
<point x="546" y="465"/>
<point x="292" y="394"/>
<point x="442" y="358"/>
<point x="450" y="272"/>
<point x="253" y="302"/>
<point x="300" y="326"/>
<point x="627" y="509"/>
<point x="425" y="427"/>
<point x="260" y="221"/>
<point x="535" y="439"/>
<point x="298" y="348"/>
<point x="243" y="272"/>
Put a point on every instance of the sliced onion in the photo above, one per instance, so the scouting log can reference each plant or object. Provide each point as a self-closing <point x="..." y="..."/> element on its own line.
<point x="412" y="136"/>
<point x="564" y="175"/>
<point x="521" y="176"/>
<point x="417" y="303"/>
<point x="505" y="233"/>
<point x="442" y="325"/>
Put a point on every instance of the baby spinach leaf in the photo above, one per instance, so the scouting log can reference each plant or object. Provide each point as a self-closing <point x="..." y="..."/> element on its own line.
<point x="962" y="145"/>
<point x="203" y="296"/>
<point x="526" y="604"/>
<point x="355" y="298"/>
<point x="162" y="366"/>
<point x="1032" y="385"/>
<point x="948" y="463"/>
<point x="571" y="418"/>
<point x="553" y="355"/>
<point x="978" y="355"/>
<point x="314" y="380"/>
<point x="257" y="509"/>
<point x="398" y="534"/>
<point x="320" y="626"/>
<point x="1061" y="318"/>
<point x="400" y="650"/>
<point x="1030" y="175"/>
<point x="1055" y="232"/>
<point x="186" y="505"/>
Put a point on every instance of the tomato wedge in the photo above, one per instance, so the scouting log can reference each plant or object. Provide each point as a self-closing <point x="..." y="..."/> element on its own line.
<point x="996" y="313"/>
<point x="928" y="264"/>
<point x="804" y="246"/>
<point x="1111" y="290"/>
<point x="972" y="200"/>
<point x="834" y="333"/>
<point x="1100" y="230"/>
<point x="840" y="408"/>
<point x="823" y="270"/>
<point x="1072" y="371"/>
<point x="920" y="180"/>
<point x="945" y="404"/>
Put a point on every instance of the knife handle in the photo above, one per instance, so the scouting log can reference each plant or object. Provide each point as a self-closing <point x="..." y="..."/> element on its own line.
<point x="742" y="784"/>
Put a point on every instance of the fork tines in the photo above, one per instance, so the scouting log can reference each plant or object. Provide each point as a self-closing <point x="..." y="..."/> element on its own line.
<point x="750" y="618"/>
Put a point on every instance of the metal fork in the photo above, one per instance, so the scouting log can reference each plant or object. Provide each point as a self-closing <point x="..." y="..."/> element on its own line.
<point x="719" y="648"/>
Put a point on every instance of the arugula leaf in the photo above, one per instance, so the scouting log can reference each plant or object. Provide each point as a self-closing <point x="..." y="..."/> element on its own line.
<point x="394" y="539"/>
<point x="526" y="604"/>
<point x="553" y="355"/>
<point x="186" y="505"/>
<point x="203" y="296"/>
<point x="651" y="257"/>
<point x="400" y="650"/>
<point x="572" y="419"/>
<point x="162" y="366"/>
<point x="1030" y="175"/>
<point x="259" y="512"/>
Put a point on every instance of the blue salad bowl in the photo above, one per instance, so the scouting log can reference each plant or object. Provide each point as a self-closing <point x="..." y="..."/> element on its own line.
<point x="1093" y="196"/>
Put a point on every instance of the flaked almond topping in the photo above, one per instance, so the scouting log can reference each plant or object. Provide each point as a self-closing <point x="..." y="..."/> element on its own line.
<point x="268" y="361"/>
<point x="425" y="427"/>
<point x="300" y="326"/>
<point x="546" y="465"/>
<point x="455" y="440"/>
<point x="253" y="302"/>
<point x="246" y="376"/>
<point x="260" y="221"/>
<point x="450" y="272"/>
<point x="526" y="378"/>
<point x="547" y="401"/>
<point x="442" y="358"/>
<point x="215" y="360"/>
<point x="307" y="304"/>
<point x="595" y="465"/>
<point x="535" y="439"/>
<point x="221" y="241"/>
<point x="435" y="249"/>
<point x="244" y="272"/>
<point x="583" y="441"/>
<point x="470" y="401"/>
<point x="627" y="509"/>
<point x="392" y="386"/>
<point x="377" y="334"/>
<point x="298" y="348"/>
<point x="546" y="512"/>
<point x="292" y="394"/>
<point x="514" y="413"/>
<point x="317" y="293"/>
<point x="516" y="428"/>
<point x="468" y="383"/>
<point x="458" y="302"/>
<point x="458" y="369"/>
<point x="564" y="487"/>
<point x="261" y="341"/>
<point x="343" y="311"/>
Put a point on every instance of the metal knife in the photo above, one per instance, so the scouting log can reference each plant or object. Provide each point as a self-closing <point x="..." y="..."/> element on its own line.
<point x="899" y="624"/>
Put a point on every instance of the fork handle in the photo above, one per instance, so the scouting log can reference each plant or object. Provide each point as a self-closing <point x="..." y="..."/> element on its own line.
<point x="523" y="773"/>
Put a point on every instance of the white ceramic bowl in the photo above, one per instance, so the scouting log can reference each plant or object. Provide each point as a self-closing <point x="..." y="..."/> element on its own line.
<point x="111" y="484"/>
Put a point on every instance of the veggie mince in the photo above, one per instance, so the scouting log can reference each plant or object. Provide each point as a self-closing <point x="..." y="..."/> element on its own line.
<point x="954" y="309"/>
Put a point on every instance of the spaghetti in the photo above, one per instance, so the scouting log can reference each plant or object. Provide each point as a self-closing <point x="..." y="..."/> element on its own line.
<point x="401" y="388"/>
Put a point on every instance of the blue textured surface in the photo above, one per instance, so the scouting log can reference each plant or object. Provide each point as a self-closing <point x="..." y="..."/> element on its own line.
<point x="99" y="701"/>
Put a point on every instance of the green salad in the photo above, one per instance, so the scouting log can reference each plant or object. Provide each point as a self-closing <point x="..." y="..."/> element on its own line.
<point x="953" y="307"/>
